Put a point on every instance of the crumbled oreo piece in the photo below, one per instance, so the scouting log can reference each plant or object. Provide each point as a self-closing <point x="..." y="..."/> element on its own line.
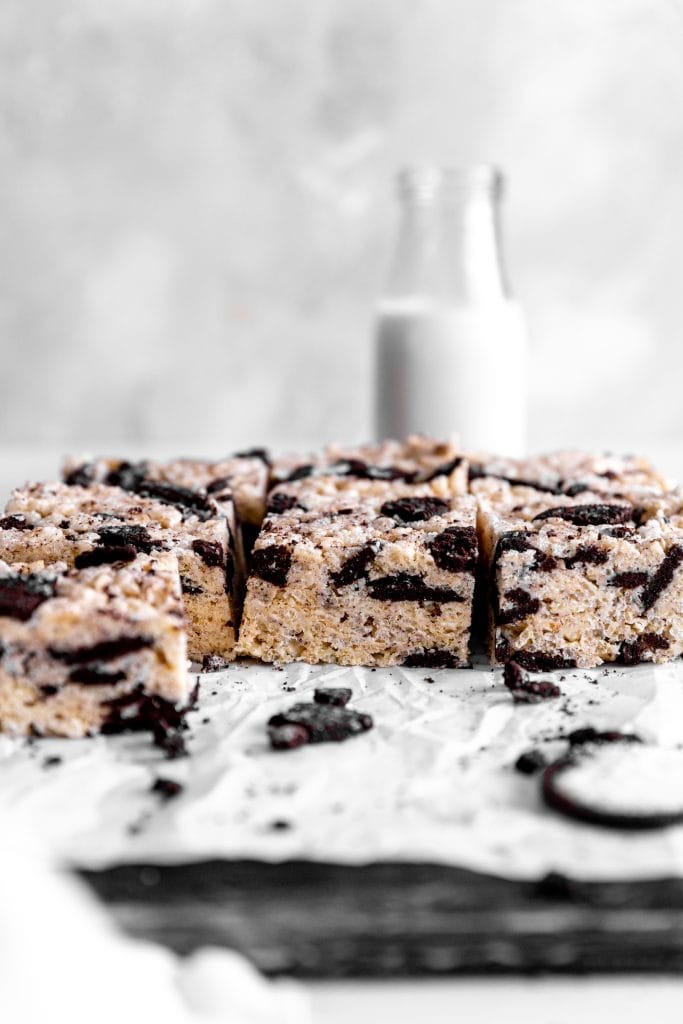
<point x="214" y="663"/>
<point x="137" y="537"/>
<point x="414" y="510"/>
<point x="211" y="552"/>
<point x="533" y="661"/>
<point x="300" y="473"/>
<point x="280" y="503"/>
<point x="94" y="675"/>
<point x="405" y="586"/>
<point x="571" y="490"/>
<point x="445" y="469"/>
<point x="588" y="515"/>
<point x="196" y="503"/>
<point x="477" y="472"/>
<point x="188" y="587"/>
<point x="21" y="595"/>
<point x="255" y="453"/>
<point x="365" y="471"/>
<point x="530" y="762"/>
<point x="662" y="577"/>
<point x="632" y="652"/>
<point x="52" y="761"/>
<point x="139" y="711"/>
<point x="432" y="657"/>
<point x="105" y="650"/>
<point x="356" y="567"/>
<point x="80" y="476"/>
<point x="629" y="580"/>
<point x="127" y="475"/>
<point x="617" y="781"/>
<point x="526" y="690"/>
<point x="321" y="723"/>
<point x="455" y="549"/>
<point x="272" y="564"/>
<point x="167" y="788"/>
<point x="123" y="553"/>
<point x="339" y="696"/>
<point x="15" y="523"/>
<point x="287" y="736"/>
<point x="221" y="483"/>
<point x="589" y="554"/>
<point x="520" y="605"/>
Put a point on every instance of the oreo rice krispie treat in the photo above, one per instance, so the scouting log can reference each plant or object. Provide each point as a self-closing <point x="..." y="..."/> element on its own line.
<point x="580" y="571"/>
<point x="94" y="649"/>
<point x="386" y="582"/>
<point x="98" y="524"/>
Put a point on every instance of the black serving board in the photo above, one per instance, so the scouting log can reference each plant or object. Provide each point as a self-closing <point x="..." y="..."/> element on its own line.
<point x="321" y="920"/>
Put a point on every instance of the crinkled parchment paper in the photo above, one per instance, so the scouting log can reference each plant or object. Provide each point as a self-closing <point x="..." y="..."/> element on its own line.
<point x="433" y="781"/>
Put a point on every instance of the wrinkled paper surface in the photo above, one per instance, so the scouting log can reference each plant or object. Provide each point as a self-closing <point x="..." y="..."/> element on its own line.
<point x="434" y="780"/>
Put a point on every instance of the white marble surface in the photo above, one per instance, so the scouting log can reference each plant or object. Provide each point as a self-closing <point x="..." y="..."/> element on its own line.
<point x="196" y="210"/>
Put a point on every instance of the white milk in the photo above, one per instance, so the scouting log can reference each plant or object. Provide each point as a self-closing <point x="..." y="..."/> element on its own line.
<point x="446" y="369"/>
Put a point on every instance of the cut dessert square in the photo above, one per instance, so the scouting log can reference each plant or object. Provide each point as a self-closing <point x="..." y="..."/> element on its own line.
<point x="391" y="583"/>
<point x="99" y="524"/>
<point x="238" y="483"/>
<point x="90" y="650"/>
<point x="572" y="473"/>
<point x="578" y="581"/>
<point x="416" y="460"/>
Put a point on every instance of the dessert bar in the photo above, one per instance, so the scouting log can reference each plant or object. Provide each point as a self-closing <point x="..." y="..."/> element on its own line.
<point x="89" y="650"/>
<point x="387" y="583"/>
<point x="99" y="524"/>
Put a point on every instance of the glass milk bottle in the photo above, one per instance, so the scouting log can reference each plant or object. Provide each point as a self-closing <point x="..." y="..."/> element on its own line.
<point x="451" y="342"/>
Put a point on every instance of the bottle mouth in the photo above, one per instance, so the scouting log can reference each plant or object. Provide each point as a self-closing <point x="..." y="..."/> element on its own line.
<point x="424" y="182"/>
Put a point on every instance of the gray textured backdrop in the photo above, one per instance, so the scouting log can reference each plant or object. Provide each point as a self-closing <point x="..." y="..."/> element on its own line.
<point x="197" y="215"/>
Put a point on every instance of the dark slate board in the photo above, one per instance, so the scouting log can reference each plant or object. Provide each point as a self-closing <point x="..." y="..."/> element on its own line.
<point x="388" y="920"/>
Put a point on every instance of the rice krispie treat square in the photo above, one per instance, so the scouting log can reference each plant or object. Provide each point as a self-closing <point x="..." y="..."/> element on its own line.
<point x="90" y="650"/>
<point x="391" y="583"/>
<point x="99" y="524"/>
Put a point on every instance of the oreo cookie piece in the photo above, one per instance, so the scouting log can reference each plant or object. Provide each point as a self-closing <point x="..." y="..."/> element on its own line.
<point x="272" y="564"/>
<point x="405" y="586"/>
<point x="414" y="510"/>
<point x="588" y="515"/>
<point x="526" y="690"/>
<point x="21" y="595"/>
<point x="617" y="781"/>
<point x="339" y="696"/>
<point x="321" y="723"/>
<point x="356" y="567"/>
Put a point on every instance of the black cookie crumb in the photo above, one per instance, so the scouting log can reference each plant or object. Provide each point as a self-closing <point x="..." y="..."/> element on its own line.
<point x="356" y="567"/>
<point x="455" y="549"/>
<point x="339" y="696"/>
<point x="167" y="788"/>
<point x="315" y="723"/>
<point x="272" y="564"/>
<point x="530" y="762"/>
<point x="526" y="690"/>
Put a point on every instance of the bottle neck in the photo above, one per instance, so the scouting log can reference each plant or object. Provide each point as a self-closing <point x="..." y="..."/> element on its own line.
<point x="449" y="244"/>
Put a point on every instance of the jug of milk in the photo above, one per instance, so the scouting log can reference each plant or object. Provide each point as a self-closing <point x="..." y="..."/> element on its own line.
<point x="451" y="342"/>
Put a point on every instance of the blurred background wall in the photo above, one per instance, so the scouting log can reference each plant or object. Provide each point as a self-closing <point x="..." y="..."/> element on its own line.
<point x="196" y="208"/>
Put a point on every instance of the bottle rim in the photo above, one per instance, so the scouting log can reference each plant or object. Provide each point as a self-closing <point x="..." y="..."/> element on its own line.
<point x="425" y="182"/>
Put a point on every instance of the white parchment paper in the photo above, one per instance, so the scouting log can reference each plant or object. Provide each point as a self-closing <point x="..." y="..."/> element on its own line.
<point x="433" y="781"/>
